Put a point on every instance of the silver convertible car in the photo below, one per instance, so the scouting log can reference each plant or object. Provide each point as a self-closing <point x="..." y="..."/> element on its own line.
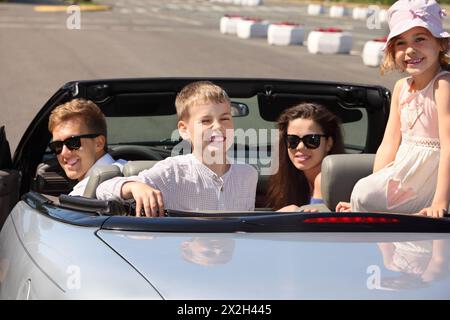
<point x="53" y="246"/>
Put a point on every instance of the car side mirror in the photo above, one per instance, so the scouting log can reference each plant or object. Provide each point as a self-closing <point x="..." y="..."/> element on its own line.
<point x="239" y="109"/>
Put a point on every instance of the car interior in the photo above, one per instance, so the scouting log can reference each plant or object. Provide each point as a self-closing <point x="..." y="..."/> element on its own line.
<point x="127" y="104"/>
<point x="339" y="175"/>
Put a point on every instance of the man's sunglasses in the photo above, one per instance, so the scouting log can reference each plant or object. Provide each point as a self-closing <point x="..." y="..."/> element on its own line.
<point x="73" y="143"/>
<point x="311" y="141"/>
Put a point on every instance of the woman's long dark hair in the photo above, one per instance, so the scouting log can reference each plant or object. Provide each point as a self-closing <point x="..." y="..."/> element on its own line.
<point x="289" y="185"/>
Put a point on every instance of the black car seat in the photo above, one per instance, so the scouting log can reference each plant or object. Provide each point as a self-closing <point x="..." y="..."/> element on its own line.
<point x="50" y="179"/>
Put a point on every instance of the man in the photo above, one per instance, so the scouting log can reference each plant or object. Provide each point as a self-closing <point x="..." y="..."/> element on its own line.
<point x="78" y="128"/>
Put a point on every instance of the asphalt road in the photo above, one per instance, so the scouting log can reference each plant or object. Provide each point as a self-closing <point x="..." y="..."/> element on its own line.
<point x="150" y="38"/>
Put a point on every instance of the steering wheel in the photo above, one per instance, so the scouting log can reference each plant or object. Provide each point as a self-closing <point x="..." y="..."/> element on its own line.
<point x="134" y="153"/>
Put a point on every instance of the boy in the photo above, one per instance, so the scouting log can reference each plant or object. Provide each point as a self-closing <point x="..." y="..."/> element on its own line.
<point x="202" y="180"/>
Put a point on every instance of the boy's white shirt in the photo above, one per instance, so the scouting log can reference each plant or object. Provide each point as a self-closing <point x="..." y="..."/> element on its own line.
<point x="106" y="159"/>
<point x="188" y="184"/>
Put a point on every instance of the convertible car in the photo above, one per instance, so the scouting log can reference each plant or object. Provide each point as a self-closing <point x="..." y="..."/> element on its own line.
<point x="53" y="246"/>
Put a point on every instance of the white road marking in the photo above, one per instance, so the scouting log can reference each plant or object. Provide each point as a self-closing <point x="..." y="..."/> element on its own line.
<point x="217" y="8"/>
<point x="178" y="19"/>
<point x="279" y="9"/>
<point x="93" y="27"/>
<point x="10" y="25"/>
<point x="28" y="19"/>
<point x="119" y="28"/>
<point x="203" y="9"/>
<point x="263" y="8"/>
<point x="140" y="10"/>
<point x="54" y="26"/>
<point x="172" y="6"/>
<point x="136" y="2"/>
<point x="153" y="29"/>
<point x="187" y="7"/>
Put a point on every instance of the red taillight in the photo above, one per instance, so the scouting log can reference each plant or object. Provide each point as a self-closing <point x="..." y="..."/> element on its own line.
<point x="352" y="220"/>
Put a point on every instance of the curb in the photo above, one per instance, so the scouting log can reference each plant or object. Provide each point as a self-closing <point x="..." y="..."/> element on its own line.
<point x="63" y="8"/>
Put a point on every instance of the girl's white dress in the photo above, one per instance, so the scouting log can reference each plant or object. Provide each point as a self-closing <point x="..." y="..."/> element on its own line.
<point x="408" y="184"/>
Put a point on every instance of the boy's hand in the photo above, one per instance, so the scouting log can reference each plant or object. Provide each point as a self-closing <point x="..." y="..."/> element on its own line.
<point x="149" y="201"/>
<point x="343" y="207"/>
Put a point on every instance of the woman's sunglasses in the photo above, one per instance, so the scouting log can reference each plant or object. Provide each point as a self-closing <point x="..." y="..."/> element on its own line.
<point x="73" y="143"/>
<point x="311" y="141"/>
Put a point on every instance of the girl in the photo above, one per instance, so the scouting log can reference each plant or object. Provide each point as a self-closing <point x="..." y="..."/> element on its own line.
<point x="308" y="132"/>
<point x="412" y="164"/>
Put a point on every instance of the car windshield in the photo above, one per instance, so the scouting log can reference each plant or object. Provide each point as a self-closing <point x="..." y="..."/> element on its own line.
<point x="162" y="128"/>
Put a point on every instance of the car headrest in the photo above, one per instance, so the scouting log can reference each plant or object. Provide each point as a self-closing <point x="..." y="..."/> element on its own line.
<point x="132" y="168"/>
<point x="340" y="172"/>
<point x="99" y="175"/>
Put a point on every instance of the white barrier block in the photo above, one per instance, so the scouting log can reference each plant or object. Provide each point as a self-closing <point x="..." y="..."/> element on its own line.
<point x="251" y="28"/>
<point x="338" y="11"/>
<point x="315" y="9"/>
<point x="360" y="13"/>
<point x="373" y="52"/>
<point x="329" y="41"/>
<point x="252" y="2"/>
<point x="383" y="16"/>
<point x="284" y="34"/>
<point x="228" y="24"/>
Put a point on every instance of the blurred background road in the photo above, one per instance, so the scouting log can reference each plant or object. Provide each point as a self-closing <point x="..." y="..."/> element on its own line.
<point x="150" y="38"/>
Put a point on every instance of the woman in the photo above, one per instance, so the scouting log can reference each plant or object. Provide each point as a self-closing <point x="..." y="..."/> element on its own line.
<point x="308" y="133"/>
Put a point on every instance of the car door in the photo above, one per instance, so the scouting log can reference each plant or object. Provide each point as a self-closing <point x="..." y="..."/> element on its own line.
<point x="9" y="179"/>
